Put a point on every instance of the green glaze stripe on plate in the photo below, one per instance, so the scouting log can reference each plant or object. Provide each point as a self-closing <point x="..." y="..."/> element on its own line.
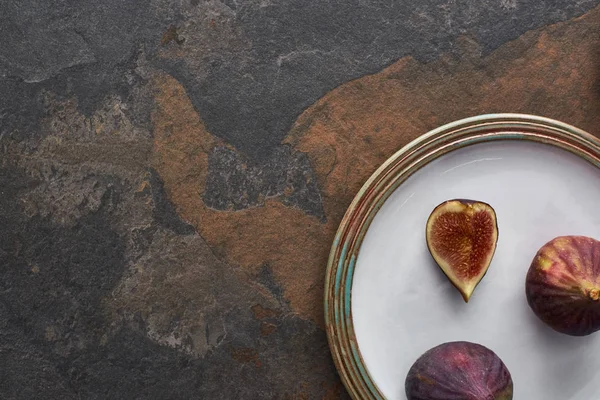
<point x="338" y="277"/>
<point x="382" y="183"/>
<point x="349" y="285"/>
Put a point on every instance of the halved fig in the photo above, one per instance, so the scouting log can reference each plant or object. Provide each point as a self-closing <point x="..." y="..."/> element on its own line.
<point x="563" y="285"/>
<point x="461" y="237"/>
<point x="459" y="371"/>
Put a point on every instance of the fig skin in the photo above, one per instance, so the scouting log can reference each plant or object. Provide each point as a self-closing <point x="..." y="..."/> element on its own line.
<point x="461" y="236"/>
<point x="563" y="285"/>
<point x="459" y="371"/>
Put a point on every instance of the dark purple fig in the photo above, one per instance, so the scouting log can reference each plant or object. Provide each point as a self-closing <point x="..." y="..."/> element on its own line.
<point x="461" y="237"/>
<point x="563" y="285"/>
<point x="459" y="371"/>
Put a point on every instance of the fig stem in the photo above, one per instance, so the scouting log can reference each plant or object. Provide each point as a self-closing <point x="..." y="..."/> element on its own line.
<point x="594" y="294"/>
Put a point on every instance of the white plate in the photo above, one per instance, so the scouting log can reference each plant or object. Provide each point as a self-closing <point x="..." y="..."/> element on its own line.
<point x="402" y="304"/>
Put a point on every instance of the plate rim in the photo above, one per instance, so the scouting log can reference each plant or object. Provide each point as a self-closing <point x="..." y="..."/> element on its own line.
<point x="381" y="184"/>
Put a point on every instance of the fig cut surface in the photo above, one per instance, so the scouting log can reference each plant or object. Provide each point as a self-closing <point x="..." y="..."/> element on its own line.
<point x="461" y="237"/>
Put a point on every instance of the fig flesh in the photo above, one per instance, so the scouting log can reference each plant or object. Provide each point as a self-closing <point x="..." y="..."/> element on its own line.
<point x="461" y="237"/>
<point x="459" y="371"/>
<point x="563" y="285"/>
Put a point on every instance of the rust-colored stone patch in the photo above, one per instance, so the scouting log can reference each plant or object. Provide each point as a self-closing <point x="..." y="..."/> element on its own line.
<point x="290" y="241"/>
<point x="246" y="355"/>
<point x="266" y="328"/>
<point x="333" y="391"/>
<point x="349" y="132"/>
<point x="261" y="312"/>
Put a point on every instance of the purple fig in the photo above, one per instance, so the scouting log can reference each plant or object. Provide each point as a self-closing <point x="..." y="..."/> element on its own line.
<point x="461" y="236"/>
<point x="459" y="371"/>
<point x="563" y="285"/>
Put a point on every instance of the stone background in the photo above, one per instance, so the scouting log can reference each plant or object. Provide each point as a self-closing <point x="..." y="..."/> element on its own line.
<point x="172" y="172"/>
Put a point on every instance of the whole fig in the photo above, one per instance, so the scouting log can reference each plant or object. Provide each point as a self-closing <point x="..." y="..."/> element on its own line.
<point x="459" y="371"/>
<point x="563" y="285"/>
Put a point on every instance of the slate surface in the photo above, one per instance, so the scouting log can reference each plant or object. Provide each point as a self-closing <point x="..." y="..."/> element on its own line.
<point x="172" y="172"/>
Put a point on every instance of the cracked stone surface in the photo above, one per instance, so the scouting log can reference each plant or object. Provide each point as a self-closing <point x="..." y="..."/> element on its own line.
<point x="235" y="183"/>
<point x="172" y="173"/>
